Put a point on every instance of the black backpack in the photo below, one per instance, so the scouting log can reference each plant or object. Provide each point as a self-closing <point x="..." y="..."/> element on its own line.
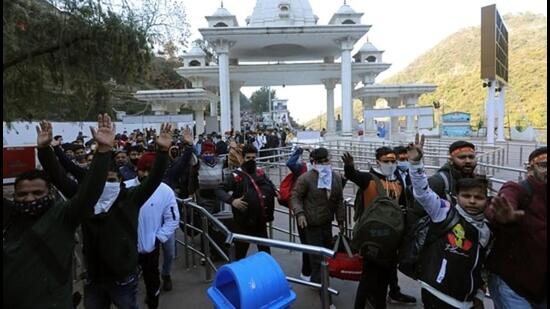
<point x="378" y="232"/>
<point x="424" y="233"/>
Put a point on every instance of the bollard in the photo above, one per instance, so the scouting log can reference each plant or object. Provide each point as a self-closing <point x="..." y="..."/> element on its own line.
<point x="325" y="301"/>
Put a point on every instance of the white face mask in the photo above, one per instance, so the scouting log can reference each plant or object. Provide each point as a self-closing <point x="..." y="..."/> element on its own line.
<point x="388" y="169"/>
<point x="107" y="198"/>
<point x="325" y="176"/>
<point x="403" y="165"/>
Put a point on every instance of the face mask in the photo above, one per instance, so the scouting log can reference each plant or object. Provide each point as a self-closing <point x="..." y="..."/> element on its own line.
<point x="107" y="198"/>
<point x="210" y="159"/>
<point x="35" y="208"/>
<point x="403" y="166"/>
<point x="325" y="176"/>
<point x="249" y="166"/>
<point x="388" y="169"/>
<point x="134" y="161"/>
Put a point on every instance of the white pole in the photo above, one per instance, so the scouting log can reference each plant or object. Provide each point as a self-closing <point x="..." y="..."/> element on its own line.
<point x="491" y="113"/>
<point x="500" y="112"/>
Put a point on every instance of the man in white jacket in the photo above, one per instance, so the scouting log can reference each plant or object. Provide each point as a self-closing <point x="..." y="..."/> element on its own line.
<point x="158" y="220"/>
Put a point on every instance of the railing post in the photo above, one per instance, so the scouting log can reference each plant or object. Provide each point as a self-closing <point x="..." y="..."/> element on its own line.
<point x="270" y="226"/>
<point x="232" y="252"/>
<point x="192" y="222"/>
<point x="521" y="155"/>
<point x="290" y="226"/>
<point x="325" y="301"/>
<point x="185" y="236"/>
<point x="206" y="248"/>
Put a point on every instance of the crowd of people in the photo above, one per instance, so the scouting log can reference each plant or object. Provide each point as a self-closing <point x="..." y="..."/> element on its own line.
<point x="121" y="190"/>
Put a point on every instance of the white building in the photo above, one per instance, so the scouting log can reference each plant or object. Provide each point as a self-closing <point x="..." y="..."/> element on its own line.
<point x="286" y="33"/>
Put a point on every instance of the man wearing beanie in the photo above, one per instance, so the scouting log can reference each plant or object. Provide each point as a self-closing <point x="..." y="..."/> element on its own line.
<point x="206" y="176"/>
<point x="158" y="220"/>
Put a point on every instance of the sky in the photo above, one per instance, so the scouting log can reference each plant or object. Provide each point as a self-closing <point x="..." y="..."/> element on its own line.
<point x="404" y="29"/>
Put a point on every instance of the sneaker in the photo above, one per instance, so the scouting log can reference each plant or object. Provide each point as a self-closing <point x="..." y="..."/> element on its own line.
<point x="304" y="277"/>
<point x="166" y="283"/>
<point x="400" y="298"/>
<point x="332" y="306"/>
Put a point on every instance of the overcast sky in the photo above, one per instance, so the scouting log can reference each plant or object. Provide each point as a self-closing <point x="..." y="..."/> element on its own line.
<point x="403" y="28"/>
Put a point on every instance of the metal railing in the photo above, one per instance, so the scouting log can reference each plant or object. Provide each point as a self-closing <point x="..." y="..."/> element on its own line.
<point x="207" y="219"/>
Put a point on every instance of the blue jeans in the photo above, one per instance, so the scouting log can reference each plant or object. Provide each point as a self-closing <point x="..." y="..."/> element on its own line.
<point x="505" y="298"/>
<point x="169" y="252"/>
<point x="123" y="294"/>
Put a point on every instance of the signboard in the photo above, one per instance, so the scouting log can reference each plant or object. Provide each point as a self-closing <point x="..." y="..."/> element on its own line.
<point x="16" y="160"/>
<point x="157" y="119"/>
<point x="494" y="45"/>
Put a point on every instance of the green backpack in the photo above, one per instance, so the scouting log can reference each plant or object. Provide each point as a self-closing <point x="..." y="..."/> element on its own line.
<point x="378" y="231"/>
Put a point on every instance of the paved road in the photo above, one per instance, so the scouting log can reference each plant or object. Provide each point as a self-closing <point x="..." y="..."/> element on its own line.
<point x="190" y="286"/>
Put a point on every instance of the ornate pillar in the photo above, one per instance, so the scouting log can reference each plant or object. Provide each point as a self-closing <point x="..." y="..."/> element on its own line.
<point x="199" y="119"/>
<point x="158" y="108"/>
<point x="369" y="126"/>
<point x="346" y="45"/>
<point x="236" y="104"/>
<point x="222" y="49"/>
<point x="331" y="120"/>
<point x="214" y="108"/>
<point x="394" y="121"/>
<point x="410" y="102"/>
<point x="173" y="108"/>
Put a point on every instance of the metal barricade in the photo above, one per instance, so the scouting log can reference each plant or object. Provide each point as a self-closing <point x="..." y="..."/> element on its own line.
<point x="204" y="252"/>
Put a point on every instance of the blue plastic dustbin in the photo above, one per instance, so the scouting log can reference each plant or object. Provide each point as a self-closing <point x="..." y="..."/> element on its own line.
<point x="256" y="282"/>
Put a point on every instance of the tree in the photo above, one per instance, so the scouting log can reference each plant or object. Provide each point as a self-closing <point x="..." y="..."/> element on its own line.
<point x="63" y="58"/>
<point x="260" y="98"/>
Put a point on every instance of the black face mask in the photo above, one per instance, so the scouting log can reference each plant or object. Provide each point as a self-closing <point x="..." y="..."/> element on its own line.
<point x="35" y="208"/>
<point x="249" y="166"/>
<point x="134" y="161"/>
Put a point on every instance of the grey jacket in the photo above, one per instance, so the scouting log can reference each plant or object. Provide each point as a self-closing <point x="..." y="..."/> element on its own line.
<point x="314" y="204"/>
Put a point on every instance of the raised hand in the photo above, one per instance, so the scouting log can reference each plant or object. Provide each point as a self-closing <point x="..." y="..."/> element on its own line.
<point x="105" y="133"/>
<point x="415" y="151"/>
<point x="44" y="134"/>
<point x="187" y="136"/>
<point x="504" y="212"/>
<point x="348" y="159"/>
<point x="164" y="140"/>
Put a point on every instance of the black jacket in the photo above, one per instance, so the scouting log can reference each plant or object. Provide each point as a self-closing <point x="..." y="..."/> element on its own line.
<point x="110" y="239"/>
<point x="241" y="185"/>
<point x="452" y="264"/>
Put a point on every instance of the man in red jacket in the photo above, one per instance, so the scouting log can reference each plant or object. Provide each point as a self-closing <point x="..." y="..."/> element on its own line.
<point x="518" y="260"/>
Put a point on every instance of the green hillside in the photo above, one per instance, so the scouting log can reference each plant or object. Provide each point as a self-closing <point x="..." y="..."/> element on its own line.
<point x="454" y="65"/>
